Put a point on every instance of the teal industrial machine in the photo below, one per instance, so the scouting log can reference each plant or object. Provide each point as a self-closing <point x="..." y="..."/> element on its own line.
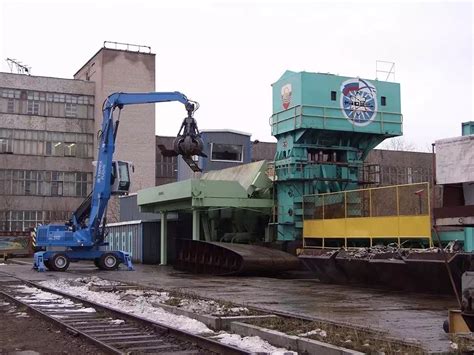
<point x="325" y="126"/>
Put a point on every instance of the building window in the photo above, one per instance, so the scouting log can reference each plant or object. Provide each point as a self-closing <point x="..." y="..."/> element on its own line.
<point x="30" y="142"/>
<point x="47" y="103"/>
<point x="9" y="93"/>
<point x="226" y="152"/>
<point x="56" y="183"/>
<point x="33" y="107"/>
<point x="31" y="182"/>
<point x="83" y="184"/>
<point x="10" y="106"/>
<point x="69" y="149"/>
<point x="45" y="183"/>
<point x="333" y="96"/>
<point x="383" y="101"/>
<point x="70" y="110"/>
<point x="26" y="219"/>
<point x="5" y="145"/>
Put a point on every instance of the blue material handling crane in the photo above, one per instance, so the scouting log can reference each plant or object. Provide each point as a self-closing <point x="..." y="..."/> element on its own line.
<point x="83" y="237"/>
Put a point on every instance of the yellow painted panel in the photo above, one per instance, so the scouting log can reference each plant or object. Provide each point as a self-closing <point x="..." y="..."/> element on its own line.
<point x="415" y="226"/>
<point x="335" y="227"/>
<point x="383" y="226"/>
<point x="393" y="226"/>
<point x="313" y="228"/>
<point x="358" y="227"/>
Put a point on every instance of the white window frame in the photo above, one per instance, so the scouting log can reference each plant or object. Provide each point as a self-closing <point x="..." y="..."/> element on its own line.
<point x="70" y="109"/>
<point x="33" y="107"/>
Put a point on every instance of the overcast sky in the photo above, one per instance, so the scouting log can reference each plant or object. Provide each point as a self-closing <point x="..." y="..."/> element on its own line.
<point x="226" y="54"/>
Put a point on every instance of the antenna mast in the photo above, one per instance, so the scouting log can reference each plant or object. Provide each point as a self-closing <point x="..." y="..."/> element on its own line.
<point x="18" y="67"/>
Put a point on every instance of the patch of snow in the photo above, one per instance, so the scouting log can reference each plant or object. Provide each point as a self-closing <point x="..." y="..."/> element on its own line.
<point x="117" y="321"/>
<point x="34" y="295"/>
<point x="21" y="315"/>
<point x="251" y="343"/>
<point x="141" y="304"/>
<point x="453" y="345"/>
<point x="2" y="264"/>
<point x="210" y="307"/>
<point x="317" y="331"/>
<point x="83" y="310"/>
<point x="4" y="304"/>
<point x="58" y="305"/>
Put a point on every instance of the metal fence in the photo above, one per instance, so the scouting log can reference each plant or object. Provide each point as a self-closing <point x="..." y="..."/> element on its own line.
<point x="399" y="200"/>
<point x="383" y="215"/>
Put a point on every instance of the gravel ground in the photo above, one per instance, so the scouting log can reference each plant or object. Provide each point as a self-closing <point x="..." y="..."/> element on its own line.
<point x="22" y="331"/>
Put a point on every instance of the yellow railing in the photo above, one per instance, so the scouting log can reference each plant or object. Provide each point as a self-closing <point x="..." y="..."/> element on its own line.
<point x="397" y="213"/>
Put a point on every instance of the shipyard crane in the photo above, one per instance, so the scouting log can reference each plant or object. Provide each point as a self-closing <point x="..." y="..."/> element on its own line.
<point x="83" y="237"/>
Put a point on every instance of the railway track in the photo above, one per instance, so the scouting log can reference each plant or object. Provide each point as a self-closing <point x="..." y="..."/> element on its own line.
<point x="113" y="331"/>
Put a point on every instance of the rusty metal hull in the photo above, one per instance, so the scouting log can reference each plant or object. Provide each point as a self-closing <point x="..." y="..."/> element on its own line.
<point x="419" y="272"/>
<point x="231" y="259"/>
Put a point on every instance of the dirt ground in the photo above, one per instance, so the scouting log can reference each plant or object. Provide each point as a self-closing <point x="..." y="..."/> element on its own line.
<point x="25" y="333"/>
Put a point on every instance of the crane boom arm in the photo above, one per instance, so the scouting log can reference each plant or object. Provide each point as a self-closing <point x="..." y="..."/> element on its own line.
<point x="122" y="98"/>
<point x="106" y="144"/>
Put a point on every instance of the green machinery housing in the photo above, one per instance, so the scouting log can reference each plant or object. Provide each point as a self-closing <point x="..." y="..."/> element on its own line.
<point x="325" y="126"/>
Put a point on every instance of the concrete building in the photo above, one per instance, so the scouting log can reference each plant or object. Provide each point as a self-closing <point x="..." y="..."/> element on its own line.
<point x="48" y="136"/>
<point x="46" y="148"/>
<point x="390" y="167"/>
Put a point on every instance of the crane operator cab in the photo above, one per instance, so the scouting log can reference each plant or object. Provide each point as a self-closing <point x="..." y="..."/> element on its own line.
<point x="120" y="183"/>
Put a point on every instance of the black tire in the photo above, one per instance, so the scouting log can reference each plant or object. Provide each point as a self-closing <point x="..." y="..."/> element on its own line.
<point x="47" y="264"/>
<point x="96" y="263"/>
<point x="59" y="262"/>
<point x="108" y="261"/>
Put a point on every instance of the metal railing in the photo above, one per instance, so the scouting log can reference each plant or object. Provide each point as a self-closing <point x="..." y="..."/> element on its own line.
<point x="398" y="214"/>
<point x="328" y="113"/>
<point x="397" y="200"/>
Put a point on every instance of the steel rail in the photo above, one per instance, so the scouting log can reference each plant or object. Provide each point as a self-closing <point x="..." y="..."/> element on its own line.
<point x="198" y="340"/>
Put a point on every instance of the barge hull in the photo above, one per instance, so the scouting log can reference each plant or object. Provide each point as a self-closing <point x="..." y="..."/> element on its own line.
<point x="417" y="272"/>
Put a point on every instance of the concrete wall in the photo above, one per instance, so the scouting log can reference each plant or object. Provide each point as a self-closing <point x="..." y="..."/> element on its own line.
<point x="455" y="160"/>
<point x="263" y="151"/>
<point x="166" y="167"/>
<point x="391" y="167"/>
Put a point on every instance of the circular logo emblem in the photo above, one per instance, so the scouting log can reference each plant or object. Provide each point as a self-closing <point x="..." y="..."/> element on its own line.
<point x="358" y="101"/>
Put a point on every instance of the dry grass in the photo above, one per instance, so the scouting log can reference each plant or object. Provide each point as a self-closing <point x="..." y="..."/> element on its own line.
<point x="367" y="341"/>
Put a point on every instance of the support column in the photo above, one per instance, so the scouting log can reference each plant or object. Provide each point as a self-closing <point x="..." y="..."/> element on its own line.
<point x="468" y="239"/>
<point x="164" y="238"/>
<point x="205" y="227"/>
<point x="196" y="224"/>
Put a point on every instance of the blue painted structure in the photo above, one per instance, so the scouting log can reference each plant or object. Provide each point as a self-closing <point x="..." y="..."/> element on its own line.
<point x="325" y="126"/>
<point x="83" y="238"/>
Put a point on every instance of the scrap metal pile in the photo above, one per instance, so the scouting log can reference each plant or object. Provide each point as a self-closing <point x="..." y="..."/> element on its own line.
<point x="390" y="267"/>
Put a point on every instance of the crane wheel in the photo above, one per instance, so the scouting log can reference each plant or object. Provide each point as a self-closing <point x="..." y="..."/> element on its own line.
<point x="59" y="262"/>
<point x="47" y="264"/>
<point x="108" y="261"/>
